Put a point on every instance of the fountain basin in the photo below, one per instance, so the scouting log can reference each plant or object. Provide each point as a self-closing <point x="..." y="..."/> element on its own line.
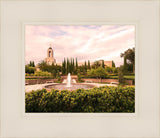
<point x="73" y="86"/>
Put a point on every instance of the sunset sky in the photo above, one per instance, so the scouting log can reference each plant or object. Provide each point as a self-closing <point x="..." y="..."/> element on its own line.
<point x="87" y="42"/>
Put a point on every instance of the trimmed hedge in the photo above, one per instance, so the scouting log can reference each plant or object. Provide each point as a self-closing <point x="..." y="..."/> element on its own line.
<point x="102" y="99"/>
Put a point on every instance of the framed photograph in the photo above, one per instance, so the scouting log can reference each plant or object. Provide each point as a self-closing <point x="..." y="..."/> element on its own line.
<point x="87" y="66"/>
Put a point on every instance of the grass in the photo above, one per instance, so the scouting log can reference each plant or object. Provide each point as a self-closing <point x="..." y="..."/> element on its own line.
<point x="102" y="82"/>
<point x="129" y="77"/>
<point x="125" y="77"/>
<point x="35" y="78"/>
<point x="29" y="79"/>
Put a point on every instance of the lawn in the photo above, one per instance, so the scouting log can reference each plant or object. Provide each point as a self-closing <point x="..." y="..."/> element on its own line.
<point x="126" y="77"/>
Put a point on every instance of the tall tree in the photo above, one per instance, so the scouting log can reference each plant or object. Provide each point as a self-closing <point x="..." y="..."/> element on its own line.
<point x="113" y="64"/>
<point x="125" y="65"/>
<point x="64" y="64"/>
<point x="64" y="67"/>
<point x="85" y="66"/>
<point x="103" y="64"/>
<point x="100" y="73"/>
<point x="68" y="66"/>
<point x="53" y="69"/>
<point x="89" y="66"/>
<point x="73" y="66"/>
<point x="121" y="74"/>
<point x="129" y="55"/>
<point x="30" y="63"/>
<point x="76" y="64"/>
<point x="96" y="64"/>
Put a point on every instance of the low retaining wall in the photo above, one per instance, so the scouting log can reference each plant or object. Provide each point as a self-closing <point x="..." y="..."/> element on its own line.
<point x="39" y="81"/>
<point x="130" y="82"/>
<point x="38" y="77"/>
<point x="72" y="76"/>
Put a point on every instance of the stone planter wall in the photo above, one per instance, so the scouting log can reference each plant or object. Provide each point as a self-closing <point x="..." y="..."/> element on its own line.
<point x="130" y="82"/>
<point x="39" y="81"/>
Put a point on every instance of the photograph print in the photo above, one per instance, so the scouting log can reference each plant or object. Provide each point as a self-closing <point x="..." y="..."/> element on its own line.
<point x="79" y="68"/>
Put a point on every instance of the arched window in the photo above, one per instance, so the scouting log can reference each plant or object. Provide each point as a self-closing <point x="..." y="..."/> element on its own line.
<point x="49" y="53"/>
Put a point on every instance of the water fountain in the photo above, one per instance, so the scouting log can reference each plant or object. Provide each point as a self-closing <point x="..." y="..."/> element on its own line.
<point x="69" y="80"/>
<point x="69" y="84"/>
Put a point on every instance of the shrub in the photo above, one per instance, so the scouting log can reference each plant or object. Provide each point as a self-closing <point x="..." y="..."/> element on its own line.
<point x="100" y="73"/>
<point x="120" y="74"/>
<point x="32" y="100"/>
<point x="42" y="73"/>
<point x="109" y="69"/>
<point x="29" y="69"/>
<point x="102" y="99"/>
<point x="79" y="77"/>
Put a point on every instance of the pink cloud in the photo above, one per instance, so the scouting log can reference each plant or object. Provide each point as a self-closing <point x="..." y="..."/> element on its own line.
<point x="84" y="42"/>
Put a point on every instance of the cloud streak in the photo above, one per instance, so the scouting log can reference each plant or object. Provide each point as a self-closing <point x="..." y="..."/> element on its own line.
<point x="90" y="42"/>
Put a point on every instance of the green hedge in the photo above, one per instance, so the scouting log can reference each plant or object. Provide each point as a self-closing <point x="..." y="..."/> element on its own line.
<point x="125" y="77"/>
<point x="102" y="99"/>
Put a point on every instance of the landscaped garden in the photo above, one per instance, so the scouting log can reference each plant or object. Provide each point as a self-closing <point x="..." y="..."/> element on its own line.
<point x="97" y="70"/>
<point x="96" y="87"/>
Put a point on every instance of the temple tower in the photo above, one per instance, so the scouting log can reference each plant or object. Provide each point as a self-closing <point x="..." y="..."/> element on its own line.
<point x="50" y="58"/>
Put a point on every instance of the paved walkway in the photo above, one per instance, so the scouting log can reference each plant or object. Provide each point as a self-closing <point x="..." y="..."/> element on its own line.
<point x="100" y="84"/>
<point x="29" y="88"/>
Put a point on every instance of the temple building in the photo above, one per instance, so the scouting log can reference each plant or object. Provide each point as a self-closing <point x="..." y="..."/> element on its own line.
<point x="50" y="57"/>
<point x="106" y="63"/>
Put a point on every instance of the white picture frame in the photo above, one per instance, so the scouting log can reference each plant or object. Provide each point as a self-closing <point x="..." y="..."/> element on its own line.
<point x="16" y="14"/>
<point x="57" y="22"/>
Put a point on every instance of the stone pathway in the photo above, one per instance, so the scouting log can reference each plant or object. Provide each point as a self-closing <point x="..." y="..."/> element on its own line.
<point x="29" y="88"/>
<point x="99" y="84"/>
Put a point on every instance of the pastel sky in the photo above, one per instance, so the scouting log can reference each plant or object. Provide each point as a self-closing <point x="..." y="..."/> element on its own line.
<point x="87" y="42"/>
